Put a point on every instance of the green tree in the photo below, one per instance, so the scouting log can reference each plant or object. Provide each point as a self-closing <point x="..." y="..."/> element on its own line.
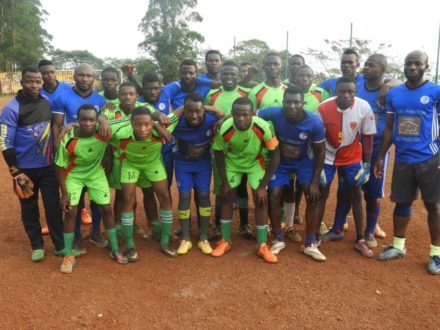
<point x="252" y="51"/>
<point x="168" y="37"/>
<point x="69" y="59"/>
<point x="23" y="40"/>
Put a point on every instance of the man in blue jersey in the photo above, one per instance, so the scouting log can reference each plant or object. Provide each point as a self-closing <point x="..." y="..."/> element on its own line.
<point x="51" y="86"/>
<point x="213" y="64"/>
<point x="349" y="68"/>
<point x="64" y="109"/>
<point x="26" y="144"/>
<point x="302" y="150"/>
<point x="412" y="125"/>
<point x="374" y="69"/>
<point x="192" y="156"/>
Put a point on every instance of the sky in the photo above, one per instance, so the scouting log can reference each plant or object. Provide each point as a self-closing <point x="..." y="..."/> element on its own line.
<point x="109" y="28"/>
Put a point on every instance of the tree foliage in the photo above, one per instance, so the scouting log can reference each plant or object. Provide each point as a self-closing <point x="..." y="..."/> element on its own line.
<point x="252" y="51"/>
<point x="23" y="40"/>
<point x="168" y="37"/>
<point x="69" y="59"/>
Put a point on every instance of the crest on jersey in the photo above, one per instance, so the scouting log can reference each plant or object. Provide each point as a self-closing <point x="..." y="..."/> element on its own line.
<point x="424" y="99"/>
<point x="161" y="106"/>
<point x="303" y="135"/>
<point x="353" y="125"/>
<point x="209" y="132"/>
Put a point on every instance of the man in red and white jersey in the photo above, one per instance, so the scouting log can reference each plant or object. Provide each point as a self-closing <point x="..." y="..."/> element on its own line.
<point x="346" y="120"/>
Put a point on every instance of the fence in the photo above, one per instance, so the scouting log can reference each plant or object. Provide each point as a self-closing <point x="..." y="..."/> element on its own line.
<point x="10" y="81"/>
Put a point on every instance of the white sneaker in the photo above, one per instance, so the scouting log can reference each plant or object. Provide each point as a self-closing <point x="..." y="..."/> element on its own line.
<point x="323" y="229"/>
<point x="277" y="247"/>
<point x="68" y="263"/>
<point x="313" y="251"/>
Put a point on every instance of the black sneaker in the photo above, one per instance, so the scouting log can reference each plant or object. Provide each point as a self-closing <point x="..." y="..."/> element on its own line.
<point x="132" y="255"/>
<point x="247" y="232"/>
<point x="97" y="239"/>
<point x="169" y="252"/>
<point x="78" y="245"/>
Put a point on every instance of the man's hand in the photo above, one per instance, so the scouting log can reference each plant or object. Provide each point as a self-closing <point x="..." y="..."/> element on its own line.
<point x="312" y="192"/>
<point x="104" y="129"/>
<point x="378" y="168"/>
<point x="261" y="196"/>
<point x="23" y="186"/>
<point x="164" y="120"/>
<point x="363" y="175"/>
<point x="108" y="106"/>
<point x="66" y="130"/>
<point x="65" y="203"/>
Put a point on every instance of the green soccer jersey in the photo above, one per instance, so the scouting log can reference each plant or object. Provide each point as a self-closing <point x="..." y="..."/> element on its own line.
<point x="223" y="99"/>
<point x="264" y="96"/>
<point x="139" y="153"/>
<point x="80" y="156"/>
<point x="118" y="113"/>
<point x="243" y="149"/>
<point x="113" y="101"/>
<point x="314" y="97"/>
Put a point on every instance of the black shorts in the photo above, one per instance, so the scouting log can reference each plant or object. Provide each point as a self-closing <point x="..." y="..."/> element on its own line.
<point x="409" y="178"/>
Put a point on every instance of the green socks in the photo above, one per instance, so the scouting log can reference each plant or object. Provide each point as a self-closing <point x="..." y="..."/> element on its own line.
<point x="399" y="243"/>
<point x="226" y="229"/>
<point x="127" y="227"/>
<point x="113" y="239"/>
<point x="155" y="225"/>
<point x="68" y="243"/>
<point x="166" y="219"/>
<point x="261" y="234"/>
<point x="434" y="250"/>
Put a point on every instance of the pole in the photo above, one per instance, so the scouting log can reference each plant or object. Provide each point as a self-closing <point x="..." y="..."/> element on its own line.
<point x="351" y="34"/>
<point x="438" y="52"/>
<point x="287" y="56"/>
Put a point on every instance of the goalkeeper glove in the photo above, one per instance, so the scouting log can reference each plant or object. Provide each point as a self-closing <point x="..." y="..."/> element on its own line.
<point x="363" y="175"/>
<point x="23" y="186"/>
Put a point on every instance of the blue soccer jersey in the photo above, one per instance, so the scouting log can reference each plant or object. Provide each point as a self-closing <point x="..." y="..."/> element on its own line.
<point x="51" y="96"/>
<point x="380" y="114"/>
<point x="415" y="131"/>
<point x="68" y="102"/>
<point x="171" y="96"/>
<point x="330" y="84"/>
<point x="294" y="138"/>
<point x="194" y="143"/>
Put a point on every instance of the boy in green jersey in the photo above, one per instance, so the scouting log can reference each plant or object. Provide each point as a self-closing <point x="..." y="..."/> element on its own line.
<point x="78" y="165"/>
<point x="222" y="98"/>
<point x="110" y="81"/>
<point x="127" y="102"/>
<point x="140" y="153"/>
<point x="237" y="147"/>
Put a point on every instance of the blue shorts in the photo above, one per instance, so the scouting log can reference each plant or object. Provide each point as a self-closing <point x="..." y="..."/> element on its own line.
<point x="346" y="172"/>
<point x="374" y="188"/>
<point x="193" y="174"/>
<point x="302" y="169"/>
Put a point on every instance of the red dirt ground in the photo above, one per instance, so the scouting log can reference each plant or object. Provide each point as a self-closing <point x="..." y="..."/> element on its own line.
<point x="236" y="291"/>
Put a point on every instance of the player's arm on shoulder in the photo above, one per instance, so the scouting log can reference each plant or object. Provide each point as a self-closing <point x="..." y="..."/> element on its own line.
<point x="104" y="129"/>
<point x="219" y="113"/>
<point x="381" y="98"/>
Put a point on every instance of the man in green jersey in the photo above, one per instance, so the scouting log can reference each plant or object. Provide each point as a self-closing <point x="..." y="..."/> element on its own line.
<point x="140" y="153"/>
<point x="110" y="81"/>
<point x="222" y="98"/>
<point x="237" y="149"/>
<point x="78" y="165"/>
<point x="270" y="92"/>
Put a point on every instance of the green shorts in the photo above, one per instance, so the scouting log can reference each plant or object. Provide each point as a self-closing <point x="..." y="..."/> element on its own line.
<point x="96" y="184"/>
<point x="152" y="172"/>
<point x="254" y="174"/>
<point x="114" y="177"/>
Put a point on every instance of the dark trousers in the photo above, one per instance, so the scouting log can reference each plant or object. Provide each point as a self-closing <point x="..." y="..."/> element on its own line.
<point x="44" y="180"/>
